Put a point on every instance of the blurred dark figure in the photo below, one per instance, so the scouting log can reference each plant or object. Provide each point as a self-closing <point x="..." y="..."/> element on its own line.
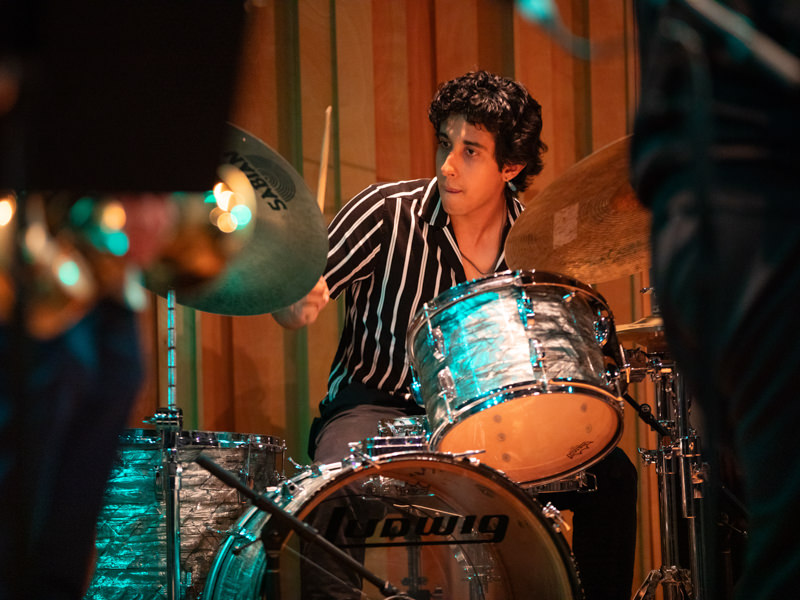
<point x="95" y="98"/>
<point x="716" y="157"/>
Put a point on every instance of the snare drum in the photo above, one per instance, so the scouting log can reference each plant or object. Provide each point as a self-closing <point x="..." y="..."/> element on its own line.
<point x="131" y="529"/>
<point x="403" y="434"/>
<point x="515" y="365"/>
<point x="430" y="524"/>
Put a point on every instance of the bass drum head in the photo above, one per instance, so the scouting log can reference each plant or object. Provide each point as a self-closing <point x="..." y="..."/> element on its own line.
<point x="432" y="525"/>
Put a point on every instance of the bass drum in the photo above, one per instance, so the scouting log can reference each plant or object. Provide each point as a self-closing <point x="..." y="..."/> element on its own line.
<point x="434" y="526"/>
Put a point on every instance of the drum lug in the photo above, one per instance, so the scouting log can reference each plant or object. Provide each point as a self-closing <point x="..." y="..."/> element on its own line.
<point x="246" y="479"/>
<point x="436" y="339"/>
<point x="602" y="327"/>
<point x="416" y="389"/>
<point x="158" y="480"/>
<point x="537" y="353"/>
<point x="448" y="389"/>
<point x="526" y="312"/>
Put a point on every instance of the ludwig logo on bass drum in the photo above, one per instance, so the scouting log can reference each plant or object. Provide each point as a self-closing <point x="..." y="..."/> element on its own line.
<point x="410" y="530"/>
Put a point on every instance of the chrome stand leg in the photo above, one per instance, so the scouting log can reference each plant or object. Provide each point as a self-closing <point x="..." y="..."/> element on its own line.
<point x="678" y="467"/>
<point x="169" y="421"/>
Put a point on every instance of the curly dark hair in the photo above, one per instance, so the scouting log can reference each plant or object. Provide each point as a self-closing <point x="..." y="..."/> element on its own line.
<point x="504" y="108"/>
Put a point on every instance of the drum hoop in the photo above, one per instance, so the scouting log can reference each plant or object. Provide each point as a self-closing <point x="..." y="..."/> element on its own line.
<point x="475" y="287"/>
<point x="151" y="438"/>
<point x="343" y="477"/>
<point x="224" y="439"/>
<point x="523" y="389"/>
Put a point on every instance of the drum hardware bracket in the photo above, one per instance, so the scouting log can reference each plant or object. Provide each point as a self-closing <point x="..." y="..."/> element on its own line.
<point x="552" y="513"/>
<point x="242" y="539"/>
<point x="466" y="455"/>
<point x="672" y="576"/>
<point x="645" y="412"/>
<point x="313" y="467"/>
<point x="357" y="455"/>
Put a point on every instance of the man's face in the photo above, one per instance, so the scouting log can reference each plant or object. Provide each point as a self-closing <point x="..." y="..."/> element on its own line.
<point x="468" y="175"/>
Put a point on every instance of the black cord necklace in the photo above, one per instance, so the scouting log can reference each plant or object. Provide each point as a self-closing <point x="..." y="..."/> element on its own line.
<point x="484" y="273"/>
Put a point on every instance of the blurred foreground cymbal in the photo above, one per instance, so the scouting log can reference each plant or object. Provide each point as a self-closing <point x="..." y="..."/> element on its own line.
<point x="587" y="224"/>
<point x="647" y="332"/>
<point x="286" y="246"/>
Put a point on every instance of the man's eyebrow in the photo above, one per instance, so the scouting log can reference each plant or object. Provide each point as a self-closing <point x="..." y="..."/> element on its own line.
<point x="443" y="135"/>
<point x="475" y="144"/>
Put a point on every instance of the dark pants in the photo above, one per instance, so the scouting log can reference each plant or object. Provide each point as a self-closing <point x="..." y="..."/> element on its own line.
<point x="63" y="404"/>
<point x="727" y="275"/>
<point x="604" y="539"/>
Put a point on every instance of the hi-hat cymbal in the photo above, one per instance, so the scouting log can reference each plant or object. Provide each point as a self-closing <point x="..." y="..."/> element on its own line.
<point x="647" y="332"/>
<point x="587" y="224"/>
<point x="285" y="253"/>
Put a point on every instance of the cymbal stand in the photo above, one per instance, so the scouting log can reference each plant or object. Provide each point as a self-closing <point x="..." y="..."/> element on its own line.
<point x="679" y="470"/>
<point x="169" y="422"/>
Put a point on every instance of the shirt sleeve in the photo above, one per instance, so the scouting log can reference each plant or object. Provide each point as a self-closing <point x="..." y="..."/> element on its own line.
<point x="354" y="238"/>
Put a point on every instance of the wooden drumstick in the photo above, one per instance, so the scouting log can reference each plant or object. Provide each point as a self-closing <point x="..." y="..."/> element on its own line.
<point x="323" y="161"/>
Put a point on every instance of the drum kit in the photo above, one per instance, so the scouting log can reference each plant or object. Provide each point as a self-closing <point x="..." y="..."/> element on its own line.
<point x="523" y="375"/>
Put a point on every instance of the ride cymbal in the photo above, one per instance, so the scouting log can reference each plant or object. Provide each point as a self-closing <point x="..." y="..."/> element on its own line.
<point x="587" y="224"/>
<point x="285" y="247"/>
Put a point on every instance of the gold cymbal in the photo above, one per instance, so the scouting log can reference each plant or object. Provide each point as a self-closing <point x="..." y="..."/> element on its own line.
<point x="647" y="332"/>
<point x="587" y="224"/>
<point x="286" y="246"/>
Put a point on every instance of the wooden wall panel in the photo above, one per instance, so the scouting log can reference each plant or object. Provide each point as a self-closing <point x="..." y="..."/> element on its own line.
<point x="557" y="80"/>
<point x="391" y="80"/>
<point x="356" y="96"/>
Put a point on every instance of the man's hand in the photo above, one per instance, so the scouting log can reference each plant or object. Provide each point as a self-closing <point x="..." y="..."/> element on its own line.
<point x="304" y="311"/>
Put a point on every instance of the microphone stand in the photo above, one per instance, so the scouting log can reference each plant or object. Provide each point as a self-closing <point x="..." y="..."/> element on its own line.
<point x="274" y="533"/>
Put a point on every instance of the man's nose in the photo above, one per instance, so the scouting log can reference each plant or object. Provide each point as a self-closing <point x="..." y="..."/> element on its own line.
<point x="449" y="165"/>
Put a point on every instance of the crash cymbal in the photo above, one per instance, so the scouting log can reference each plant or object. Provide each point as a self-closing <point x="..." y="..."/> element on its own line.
<point x="286" y="245"/>
<point x="647" y="332"/>
<point x="587" y="224"/>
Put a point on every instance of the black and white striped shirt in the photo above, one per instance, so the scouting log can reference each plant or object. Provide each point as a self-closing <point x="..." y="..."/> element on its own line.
<point x="392" y="248"/>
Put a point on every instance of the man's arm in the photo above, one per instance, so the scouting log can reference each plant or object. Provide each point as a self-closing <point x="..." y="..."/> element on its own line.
<point x="304" y="311"/>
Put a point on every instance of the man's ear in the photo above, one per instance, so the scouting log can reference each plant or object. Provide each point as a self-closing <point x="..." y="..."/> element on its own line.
<point x="511" y="171"/>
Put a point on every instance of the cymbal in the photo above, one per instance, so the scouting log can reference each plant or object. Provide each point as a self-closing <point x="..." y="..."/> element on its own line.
<point x="286" y="251"/>
<point x="587" y="224"/>
<point x="647" y="332"/>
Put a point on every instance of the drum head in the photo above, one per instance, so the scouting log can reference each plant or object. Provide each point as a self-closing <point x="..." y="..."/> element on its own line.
<point x="536" y="437"/>
<point x="427" y="523"/>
